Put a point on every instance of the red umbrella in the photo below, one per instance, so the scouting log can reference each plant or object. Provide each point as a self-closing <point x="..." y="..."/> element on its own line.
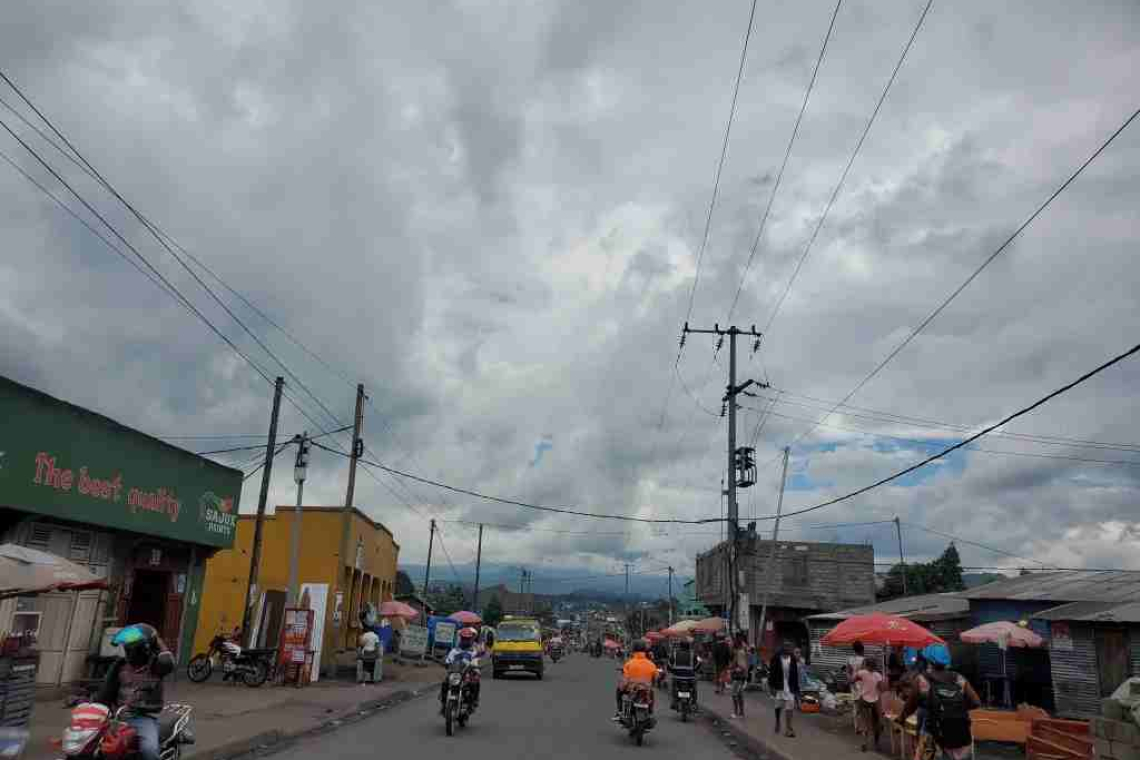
<point x="31" y="571"/>
<point x="398" y="610"/>
<point x="465" y="618"/>
<point x="879" y="628"/>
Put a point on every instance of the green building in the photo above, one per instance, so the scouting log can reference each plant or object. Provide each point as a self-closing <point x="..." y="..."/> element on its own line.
<point x="131" y="508"/>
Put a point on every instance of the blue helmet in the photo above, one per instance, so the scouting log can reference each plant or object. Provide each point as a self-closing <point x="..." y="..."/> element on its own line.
<point x="138" y="641"/>
<point x="937" y="654"/>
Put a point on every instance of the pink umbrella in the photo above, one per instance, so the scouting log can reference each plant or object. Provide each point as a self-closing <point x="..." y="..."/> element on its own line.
<point x="463" y="617"/>
<point x="1004" y="634"/>
<point x="398" y="610"/>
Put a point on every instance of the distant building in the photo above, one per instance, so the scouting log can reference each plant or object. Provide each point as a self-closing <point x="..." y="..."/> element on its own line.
<point x="807" y="578"/>
<point x="513" y="602"/>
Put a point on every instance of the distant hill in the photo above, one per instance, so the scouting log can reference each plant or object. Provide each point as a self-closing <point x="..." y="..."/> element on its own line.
<point x="550" y="581"/>
<point x="980" y="579"/>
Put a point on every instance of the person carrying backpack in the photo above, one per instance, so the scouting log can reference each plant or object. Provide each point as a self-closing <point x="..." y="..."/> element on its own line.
<point x="948" y="698"/>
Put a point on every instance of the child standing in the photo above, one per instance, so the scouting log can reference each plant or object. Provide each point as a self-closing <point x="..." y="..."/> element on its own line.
<point x="870" y="686"/>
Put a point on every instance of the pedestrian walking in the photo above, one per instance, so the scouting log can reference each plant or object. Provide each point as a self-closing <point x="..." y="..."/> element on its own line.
<point x="722" y="657"/>
<point x="739" y="675"/>
<point x="870" y="687"/>
<point x="854" y="664"/>
<point x="784" y="682"/>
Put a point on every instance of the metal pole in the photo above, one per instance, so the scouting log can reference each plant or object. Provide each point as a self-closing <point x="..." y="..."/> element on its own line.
<point x="772" y="553"/>
<point x="295" y="550"/>
<point x="670" y="596"/>
<point x="902" y="559"/>
<point x="255" y="553"/>
<point x="478" y="563"/>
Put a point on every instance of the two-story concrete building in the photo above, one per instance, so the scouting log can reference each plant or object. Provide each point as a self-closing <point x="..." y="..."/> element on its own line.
<point x="806" y="578"/>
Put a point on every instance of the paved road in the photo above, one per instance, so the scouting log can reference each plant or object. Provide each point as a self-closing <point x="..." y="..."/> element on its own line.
<point x="566" y="715"/>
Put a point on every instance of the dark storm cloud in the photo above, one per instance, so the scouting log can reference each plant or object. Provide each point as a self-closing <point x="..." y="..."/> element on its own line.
<point x="490" y="215"/>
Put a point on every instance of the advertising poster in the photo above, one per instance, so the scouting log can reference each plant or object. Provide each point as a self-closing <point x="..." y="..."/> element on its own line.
<point x="1062" y="637"/>
<point x="413" y="640"/>
<point x="444" y="635"/>
<point x="315" y="596"/>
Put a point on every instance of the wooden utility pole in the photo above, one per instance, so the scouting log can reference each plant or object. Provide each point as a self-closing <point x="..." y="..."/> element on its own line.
<point x="772" y="553"/>
<point x="427" y="570"/>
<point x="346" y="520"/>
<point x="478" y="564"/>
<point x="670" y="595"/>
<point x="263" y="496"/>
<point x="902" y="559"/>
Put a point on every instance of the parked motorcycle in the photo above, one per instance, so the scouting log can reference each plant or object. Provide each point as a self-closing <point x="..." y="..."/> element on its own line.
<point x="462" y="675"/>
<point x="636" y="716"/>
<point x="686" y="702"/>
<point x="252" y="666"/>
<point x="95" y="734"/>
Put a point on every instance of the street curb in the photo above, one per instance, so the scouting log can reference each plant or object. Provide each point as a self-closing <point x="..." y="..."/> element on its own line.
<point x="271" y="741"/>
<point x="740" y="741"/>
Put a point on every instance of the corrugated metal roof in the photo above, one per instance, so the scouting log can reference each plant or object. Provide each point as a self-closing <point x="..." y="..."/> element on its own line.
<point x="1064" y="586"/>
<point x="925" y="607"/>
<point x="1094" y="612"/>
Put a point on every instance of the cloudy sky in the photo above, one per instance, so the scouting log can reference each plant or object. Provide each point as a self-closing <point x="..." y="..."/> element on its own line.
<point x="490" y="213"/>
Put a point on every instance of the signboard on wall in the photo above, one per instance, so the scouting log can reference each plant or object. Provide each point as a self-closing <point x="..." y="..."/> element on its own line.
<point x="444" y="634"/>
<point x="64" y="461"/>
<point x="315" y="597"/>
<point x="1062" y="637"/>
<point x="413" y="640"/>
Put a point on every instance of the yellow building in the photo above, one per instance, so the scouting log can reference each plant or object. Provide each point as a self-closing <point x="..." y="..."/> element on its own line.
<point x="368" y="575"/>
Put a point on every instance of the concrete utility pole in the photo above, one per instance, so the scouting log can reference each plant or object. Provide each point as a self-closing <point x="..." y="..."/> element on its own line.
<point x="267" y="468"/>
<point x="478" y="564"/>
<point x="427" y="570"/>
<point x="902" y="559"/>
<point x="299" y="471"/>
<point x="731" y="392"/>
<point x="772" y="553"/>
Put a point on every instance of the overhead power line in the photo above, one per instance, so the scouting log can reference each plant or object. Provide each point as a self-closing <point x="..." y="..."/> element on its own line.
<point x="526" y="505"/>
<point x="935" y="444"/>
<point x="1019" y="413"/>
<point x="865" y="413"/>
<point x="985" y="263"/>
<point x="847" y="169"/>
<point x="978" y="544"/>
<point x="784" y="162"/>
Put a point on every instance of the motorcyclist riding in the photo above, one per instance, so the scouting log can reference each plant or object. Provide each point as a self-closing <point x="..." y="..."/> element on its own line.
<point x="684" y="665"/>
<point x="465" y="650"/>
<point x="637" y="669"/>
<point x="135" y="682"/>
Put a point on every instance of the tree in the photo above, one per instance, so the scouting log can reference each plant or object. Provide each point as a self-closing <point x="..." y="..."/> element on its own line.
<point x="948" y="570"/>
<point x="493" y="612"/>
<point x="404" y="585"/>
<point x="942" y="574"/>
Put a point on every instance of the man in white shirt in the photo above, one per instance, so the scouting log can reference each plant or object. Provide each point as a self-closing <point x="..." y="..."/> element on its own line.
<point x="368" y="658"/>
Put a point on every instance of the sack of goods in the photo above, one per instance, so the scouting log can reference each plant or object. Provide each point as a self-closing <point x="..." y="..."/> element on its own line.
<point x="809" y="704"/>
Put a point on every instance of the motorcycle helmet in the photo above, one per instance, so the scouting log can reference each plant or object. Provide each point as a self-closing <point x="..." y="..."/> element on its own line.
<point x="467" y="637"/>
<point x="138" y="643"/>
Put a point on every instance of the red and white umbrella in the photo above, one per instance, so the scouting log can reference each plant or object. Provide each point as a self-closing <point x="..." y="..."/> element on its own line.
<point x="1004" y="634"/>
<point x="463" y="617"/>
<point x="25" y="571"/>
